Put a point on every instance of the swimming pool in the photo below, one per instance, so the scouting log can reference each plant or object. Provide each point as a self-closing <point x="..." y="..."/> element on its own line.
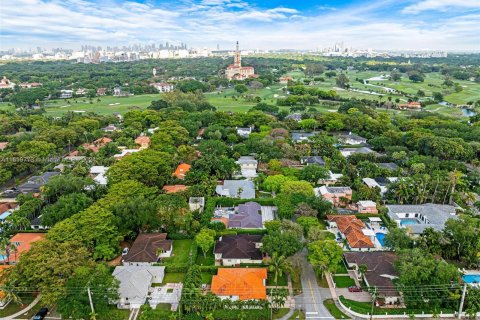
<point x="471" y="278"/>
<point x="3" y="257"/>
<point x="381" y="238"/>
<point x="406" y="222"/>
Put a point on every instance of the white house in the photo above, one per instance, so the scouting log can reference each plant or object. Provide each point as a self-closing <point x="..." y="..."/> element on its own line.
<point x="248" y="166"/>
<point x="135" y="284"/>
<point x="244" y="132"/>
<point x="163" y="86"/>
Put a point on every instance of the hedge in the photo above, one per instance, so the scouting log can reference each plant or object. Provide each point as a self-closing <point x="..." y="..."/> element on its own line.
<point x="177" y="268"/>
<point x="179" y="236"/>
<point x="251" y="314"/>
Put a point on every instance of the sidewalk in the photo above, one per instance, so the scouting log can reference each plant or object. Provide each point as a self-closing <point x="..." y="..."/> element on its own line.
<point x="24" y="310"/>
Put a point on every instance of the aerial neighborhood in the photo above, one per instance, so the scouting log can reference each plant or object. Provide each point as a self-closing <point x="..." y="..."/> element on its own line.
<point x="309" y="204"/>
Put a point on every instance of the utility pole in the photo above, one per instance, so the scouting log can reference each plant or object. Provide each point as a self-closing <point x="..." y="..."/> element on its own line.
<point x="464" y="293"/>
<point x="374" y="296"/>
<point x="91" y="303"/>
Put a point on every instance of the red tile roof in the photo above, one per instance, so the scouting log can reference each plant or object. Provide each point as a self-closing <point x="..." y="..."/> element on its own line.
<point x="182" y="170"/>
<point x="246" y="283"/>
<point x="352" y="227"/>
<point x="175" y="188"/>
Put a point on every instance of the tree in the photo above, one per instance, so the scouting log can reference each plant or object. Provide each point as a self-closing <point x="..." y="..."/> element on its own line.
<point x="325" y="255"/>
<point x="305" y="210"/>
<point x="94" y="228"/>
<point x="398" y="239"/>
<point x="64" y="208"/>
<point x="342" y="81"/>
<point x="307" y="223"/>
<point x="472" y="302"/>
<point x="241" y="88"/>
<point x="395" y="76"/>
<point x="415" y="76"/>
<point x="281" y="243"/>
<point x="277" y="265"/>
<point x="205" y="239"/>
<point x="437" y="96"/>
<point x="275" y="182"/>
<point x="313" y="172"/>
<point x="47" y="266"/>
<point x="297" y="187"/>
<point x="103" y="288"/>
<point x="150" y="167"/>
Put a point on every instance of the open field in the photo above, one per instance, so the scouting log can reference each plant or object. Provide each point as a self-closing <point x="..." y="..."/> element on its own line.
<point x="229" y="100"/>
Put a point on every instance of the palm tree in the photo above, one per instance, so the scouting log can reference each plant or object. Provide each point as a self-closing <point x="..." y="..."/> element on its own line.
<point x="362" y="269"/>
<point x="277" y="265"/>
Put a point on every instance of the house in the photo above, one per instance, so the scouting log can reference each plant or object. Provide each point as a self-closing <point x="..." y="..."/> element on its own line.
<point x="143" y="142"/>
<point x="347" y="152"/>
<point x="5" y="83"/>
<point x="312" y="160"/>
<point x="294" y="116"/>
<point x="380" y="183"/>
<point x="244" y="132"/>
<point x="101" y="91"/>
<point x="110" y="128"/>
<point x="35" y="182"/>
<point x="29" y="85"/>
<point x="124" y="153"/>
<point x="351" y="139"/>
<point x="98" y="174"/>
<point x="148" y="248"/>
<point x="388" y="165"/>
<point x="118" y="92"/>
<point x="333" y="178"/>
<point x="200" y="133"/>
<point x="3" y="145"/>
<point x="19" y="244"/>
<point x="196" y="203"/>
<point x="36" y="224"/>
<point x="335" y="195"/>
<point x="358" y="236"/>
<point x="301" y="136"/>
<point x="232" y="250"/>
<point x="95" y="146"/>
<point x="240" y="283"/>
<point x="6" y="209"/>
<point x="81" y="92"/>
<point x="66" y="94"/>
<point x="410" y="105"/>
<point x="417" y="218"/>
<point x="285" y="79"/>
<point x="367" y="206"/>
<point x="163" y="86"/>
<point x="152" y="130"/>
<point x="174" y="188"/>
<point x="380" y="272"/>
<point x="135" y="282"/>
<point x="248" y="166"/>
<point x="249" y="215"/>
<point x="243" y="189"/>
<point x="182" y="171"/>
<point x="236" y="71"/>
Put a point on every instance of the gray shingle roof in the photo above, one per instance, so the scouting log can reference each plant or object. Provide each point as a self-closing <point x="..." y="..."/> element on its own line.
<point x="248" y="216"/>
<point x="230" y="188"/>
<point x="388" y="165"/>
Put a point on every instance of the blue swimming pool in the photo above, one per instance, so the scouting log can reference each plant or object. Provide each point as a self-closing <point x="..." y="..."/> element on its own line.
<point x="471" y="278"/>
<point x="381" y="238"/>
<point x="406" y="222"/>
<point x="3" y="257"/>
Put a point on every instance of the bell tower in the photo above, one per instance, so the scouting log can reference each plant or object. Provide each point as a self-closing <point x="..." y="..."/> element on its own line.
<point x="237" y="61"/>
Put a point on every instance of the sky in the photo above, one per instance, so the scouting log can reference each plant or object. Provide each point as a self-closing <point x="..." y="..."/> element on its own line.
<point x="256" y="24"/>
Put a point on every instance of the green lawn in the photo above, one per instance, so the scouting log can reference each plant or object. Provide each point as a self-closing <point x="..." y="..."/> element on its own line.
<point x="180" y="253"/>
<point x="280" y="313"/>
<point x="173" y="277"/>
<point x="209" y="260"/>
<point x="343" y="281"/>
<point x="207" y="277"/>
<point x="341" y="269"/>
<point x="366" y="307"/>
<point x="12" y="307"/>
<point x="282" y="280"/>
<point x="114" y="313"/>
<point x="333" y="309"/>
<point x="297" y="314"/>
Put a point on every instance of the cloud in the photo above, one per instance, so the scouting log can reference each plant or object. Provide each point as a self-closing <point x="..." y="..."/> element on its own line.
<point x="441" y="5"/>
<point x="61" y="23"/>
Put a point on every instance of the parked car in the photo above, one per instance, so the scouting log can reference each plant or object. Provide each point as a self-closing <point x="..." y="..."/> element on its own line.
<point x="40" y="315"/>
<point x="124" y="251"/>
<point x="354" y="289"/>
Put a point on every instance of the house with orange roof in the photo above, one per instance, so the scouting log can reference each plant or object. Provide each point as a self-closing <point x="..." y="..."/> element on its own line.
<point x="3" y="145"/>
<point x="410" y="105"/>
<point x="143" y="142"/>
<point x="182" y="171"/>
<point x="175" y="188"/>
<point x="240" y="283"/>
<point x="20" y="244"/>
<point x="349" y="227"/>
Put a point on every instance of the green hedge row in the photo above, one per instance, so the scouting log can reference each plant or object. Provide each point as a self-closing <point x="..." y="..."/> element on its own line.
<point x="252" y="314"/>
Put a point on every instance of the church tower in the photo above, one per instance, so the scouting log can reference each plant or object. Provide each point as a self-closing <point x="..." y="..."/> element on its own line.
<point x="237" y="61"/>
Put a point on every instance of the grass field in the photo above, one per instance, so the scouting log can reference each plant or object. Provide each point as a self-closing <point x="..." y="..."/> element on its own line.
<point x="343" y="281"/>
<point x="180" y="252"/>
<point x="333" y="309"/>
<point x="229" y="100"/>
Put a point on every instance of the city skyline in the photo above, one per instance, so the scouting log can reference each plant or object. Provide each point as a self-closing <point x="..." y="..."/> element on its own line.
<point x="385" y="25"/>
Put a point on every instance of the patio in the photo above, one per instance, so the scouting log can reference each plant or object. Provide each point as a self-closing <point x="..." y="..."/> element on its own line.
<point x="169" y="293"/>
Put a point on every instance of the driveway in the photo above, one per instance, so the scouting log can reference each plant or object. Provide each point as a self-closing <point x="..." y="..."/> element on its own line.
<point x="311" y="301"/>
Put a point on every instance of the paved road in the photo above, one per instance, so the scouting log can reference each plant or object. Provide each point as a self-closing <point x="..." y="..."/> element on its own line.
<point x="311" y="301"/>
<point x="24" y="310"/>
